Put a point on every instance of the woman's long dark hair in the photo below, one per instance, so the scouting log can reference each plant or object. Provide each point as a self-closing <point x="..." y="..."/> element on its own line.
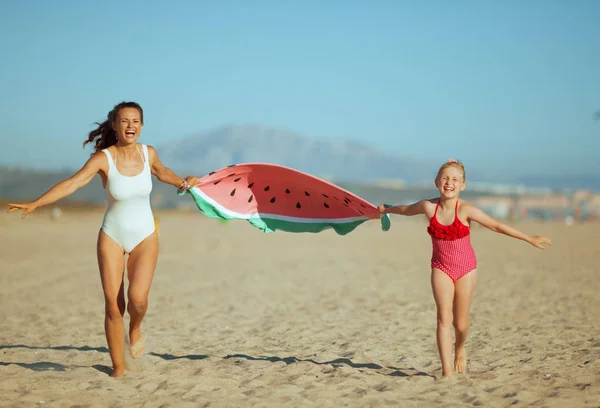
<point x="104" y="135"/>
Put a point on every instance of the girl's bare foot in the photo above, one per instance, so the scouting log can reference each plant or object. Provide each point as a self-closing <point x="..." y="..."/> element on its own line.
<point x="136" y="343"/>
<point x="460" y="360"/>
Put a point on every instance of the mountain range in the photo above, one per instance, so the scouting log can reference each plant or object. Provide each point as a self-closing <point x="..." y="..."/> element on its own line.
<point x="331" y="159"/>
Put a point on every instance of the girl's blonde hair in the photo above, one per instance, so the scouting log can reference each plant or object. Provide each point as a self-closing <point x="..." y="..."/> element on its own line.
<point x="452" y="163"/>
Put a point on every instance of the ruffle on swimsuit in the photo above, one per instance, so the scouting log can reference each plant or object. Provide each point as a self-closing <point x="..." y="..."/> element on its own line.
<point x="456" y="230"/>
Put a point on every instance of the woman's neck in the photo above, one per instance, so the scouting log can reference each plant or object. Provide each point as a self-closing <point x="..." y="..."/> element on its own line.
<point x="129" y="147"/>
<point x="128" y="150"/>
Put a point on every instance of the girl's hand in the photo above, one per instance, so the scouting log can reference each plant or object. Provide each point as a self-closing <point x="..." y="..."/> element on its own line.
<point x="382" y="208"/>
<point x="27" y="208"/>
<point x="538" y="240"/>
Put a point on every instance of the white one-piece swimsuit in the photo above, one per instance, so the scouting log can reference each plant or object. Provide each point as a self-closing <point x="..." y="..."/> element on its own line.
<point x="128" y="219"/>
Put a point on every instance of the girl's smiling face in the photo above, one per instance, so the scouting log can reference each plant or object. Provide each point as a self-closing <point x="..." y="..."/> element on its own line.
<point x="450" y="182"/>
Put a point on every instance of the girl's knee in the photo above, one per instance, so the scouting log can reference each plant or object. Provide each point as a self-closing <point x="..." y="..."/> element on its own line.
<point x="461" y="325"/>
<point x="445" y="317"/>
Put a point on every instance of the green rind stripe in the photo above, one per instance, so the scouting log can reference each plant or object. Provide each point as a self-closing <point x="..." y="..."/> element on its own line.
<point x="272" y="225"/>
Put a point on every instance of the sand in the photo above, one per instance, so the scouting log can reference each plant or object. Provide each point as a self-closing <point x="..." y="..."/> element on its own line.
<point x="242" y="318"/>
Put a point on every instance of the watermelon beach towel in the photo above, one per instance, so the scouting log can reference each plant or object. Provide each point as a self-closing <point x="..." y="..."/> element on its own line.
<point x="273" y="197"/>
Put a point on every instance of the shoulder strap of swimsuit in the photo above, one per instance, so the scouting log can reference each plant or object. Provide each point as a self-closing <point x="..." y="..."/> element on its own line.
<point x="436" y="208"/>
<point x="145" y="149"/>
<point x="111" y="163"/>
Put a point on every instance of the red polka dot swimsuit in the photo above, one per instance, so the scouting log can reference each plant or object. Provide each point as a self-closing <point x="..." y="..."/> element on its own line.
<point x="452" y="252"/>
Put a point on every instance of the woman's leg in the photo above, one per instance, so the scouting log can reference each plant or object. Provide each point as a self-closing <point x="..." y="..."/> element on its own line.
<point x="443" y="294"/>
<point x="140" y="272"/>
<point x="111" y="264"/>
<point x="463" y="294"/>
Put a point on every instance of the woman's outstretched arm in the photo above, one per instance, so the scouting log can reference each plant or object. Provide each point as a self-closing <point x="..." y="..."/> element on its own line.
<point x="65" y="187"/>
<point x="165" y="174"/>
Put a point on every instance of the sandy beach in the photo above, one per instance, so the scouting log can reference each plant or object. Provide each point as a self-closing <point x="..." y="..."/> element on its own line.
<point x="239" y="318"/>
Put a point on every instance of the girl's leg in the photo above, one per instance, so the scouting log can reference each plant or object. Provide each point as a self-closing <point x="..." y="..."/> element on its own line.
<point x="111" y="265"/>
<point x="140" y="272"/>
<point x="463" y="294"/>
<point x="443" y="294"/>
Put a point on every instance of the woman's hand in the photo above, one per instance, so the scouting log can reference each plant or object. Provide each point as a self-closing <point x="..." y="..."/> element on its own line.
<point x="192" y="181"/>
<point x="187" y="183"/>
<point x="27" y="208"/>
<point x="538" y="240"/>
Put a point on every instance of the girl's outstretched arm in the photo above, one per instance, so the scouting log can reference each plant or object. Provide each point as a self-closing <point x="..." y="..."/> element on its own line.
<point x="493" y="224"/>
<point x="65" y="187"/>
<point x="408" y="210"/>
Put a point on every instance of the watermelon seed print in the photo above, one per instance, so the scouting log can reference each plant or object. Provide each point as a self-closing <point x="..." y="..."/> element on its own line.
<point x="250" y="199"/>
<point x="325" y="195"/>
<point x="306" y="193"/>
<point x="326" y="205"/>
<point x="232" y="192"/>
<point x="267" y="188"/>
<point x="232" y="174"/>
<point x="217" y="182"/>
<point x="211" y="173"/>
<point x="298" y="205"/>
<point x="237" y="179"/>
<point x="272" y="200"/>
<point x="287" y="191"/>
<point x="250" y="185"/>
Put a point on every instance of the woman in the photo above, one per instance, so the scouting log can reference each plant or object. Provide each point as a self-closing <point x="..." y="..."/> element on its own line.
<point x="125" y="167"/>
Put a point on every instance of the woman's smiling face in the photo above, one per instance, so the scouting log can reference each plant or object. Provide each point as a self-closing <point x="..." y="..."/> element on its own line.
<point x="128" y="125"/>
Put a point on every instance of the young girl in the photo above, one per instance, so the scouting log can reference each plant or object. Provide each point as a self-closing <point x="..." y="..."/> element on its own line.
<point x="453" y="261"/>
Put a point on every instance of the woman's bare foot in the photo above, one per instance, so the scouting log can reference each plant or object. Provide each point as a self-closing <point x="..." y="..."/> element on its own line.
<point x="117" y="372"/>
<point x="445" y="376"/>
<point x="460" y="360"/>
<point x="136" y="343"/>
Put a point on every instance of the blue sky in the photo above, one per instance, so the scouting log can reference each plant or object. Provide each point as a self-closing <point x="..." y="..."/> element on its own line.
<point x="472" y="79"/>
